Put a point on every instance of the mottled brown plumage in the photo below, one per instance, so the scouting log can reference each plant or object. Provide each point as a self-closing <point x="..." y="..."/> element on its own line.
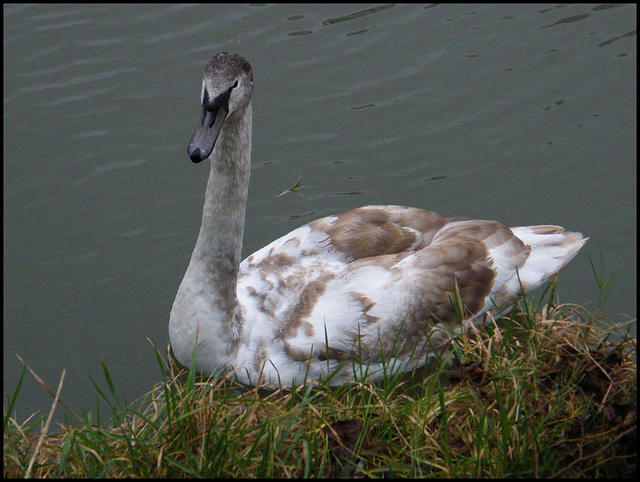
<point x="362" y="294"/>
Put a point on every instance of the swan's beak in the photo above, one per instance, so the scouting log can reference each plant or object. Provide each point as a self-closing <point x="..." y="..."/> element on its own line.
<point x="206" y="134"/>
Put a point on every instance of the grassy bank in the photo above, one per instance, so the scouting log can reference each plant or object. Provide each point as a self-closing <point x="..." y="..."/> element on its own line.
<point x="542" y="393"/>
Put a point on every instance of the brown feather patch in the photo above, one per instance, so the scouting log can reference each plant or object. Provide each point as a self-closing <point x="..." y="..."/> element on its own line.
<point x="373" y="231"/>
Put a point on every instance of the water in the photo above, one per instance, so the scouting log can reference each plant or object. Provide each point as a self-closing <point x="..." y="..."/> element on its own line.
<point x="523" y="114"/>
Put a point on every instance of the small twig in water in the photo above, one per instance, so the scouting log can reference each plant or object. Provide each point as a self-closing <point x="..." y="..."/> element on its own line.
<point x="295" y="188"/>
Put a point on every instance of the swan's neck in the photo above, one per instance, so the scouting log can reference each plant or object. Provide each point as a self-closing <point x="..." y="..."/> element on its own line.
<point x="206" y="307"/>
<point x="217" y="251"/>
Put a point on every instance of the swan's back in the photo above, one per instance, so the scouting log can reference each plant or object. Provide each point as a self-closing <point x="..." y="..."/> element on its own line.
<point x="383" y="285"/>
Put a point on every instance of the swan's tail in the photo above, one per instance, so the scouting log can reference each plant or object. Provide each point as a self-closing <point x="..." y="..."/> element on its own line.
<point x="551" y="248"/>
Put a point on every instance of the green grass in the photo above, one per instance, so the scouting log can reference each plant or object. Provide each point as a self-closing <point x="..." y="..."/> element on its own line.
<point x="541" y="393"/>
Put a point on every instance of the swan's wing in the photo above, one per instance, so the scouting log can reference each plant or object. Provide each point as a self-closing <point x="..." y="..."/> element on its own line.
<point x="372" y="231"/>
<point x="374" y="284"/>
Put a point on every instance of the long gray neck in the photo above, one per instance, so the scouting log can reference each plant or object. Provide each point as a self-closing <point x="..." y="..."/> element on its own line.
<point x="218" y="248"/>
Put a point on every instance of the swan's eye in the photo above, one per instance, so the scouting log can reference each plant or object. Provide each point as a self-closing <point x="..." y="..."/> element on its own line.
<point x="235" y="85"/>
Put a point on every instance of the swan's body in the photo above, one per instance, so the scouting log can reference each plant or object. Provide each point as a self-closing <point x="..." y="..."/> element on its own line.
<point x="362" y="294"/>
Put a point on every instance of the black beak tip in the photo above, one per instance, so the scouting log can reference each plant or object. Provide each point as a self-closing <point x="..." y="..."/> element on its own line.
<point x="196" y="154"/>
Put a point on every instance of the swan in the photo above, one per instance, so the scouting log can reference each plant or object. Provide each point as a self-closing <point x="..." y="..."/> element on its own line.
<point x="363" y="294"/>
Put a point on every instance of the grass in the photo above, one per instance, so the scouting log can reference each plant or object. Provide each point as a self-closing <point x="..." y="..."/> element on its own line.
<point x="541" y="393"/>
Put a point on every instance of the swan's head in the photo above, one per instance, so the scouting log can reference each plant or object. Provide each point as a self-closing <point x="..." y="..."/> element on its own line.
<point x="226" y="89"/>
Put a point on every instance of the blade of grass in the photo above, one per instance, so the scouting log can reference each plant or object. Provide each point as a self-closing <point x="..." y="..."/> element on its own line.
<point x="46" y="425"/>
